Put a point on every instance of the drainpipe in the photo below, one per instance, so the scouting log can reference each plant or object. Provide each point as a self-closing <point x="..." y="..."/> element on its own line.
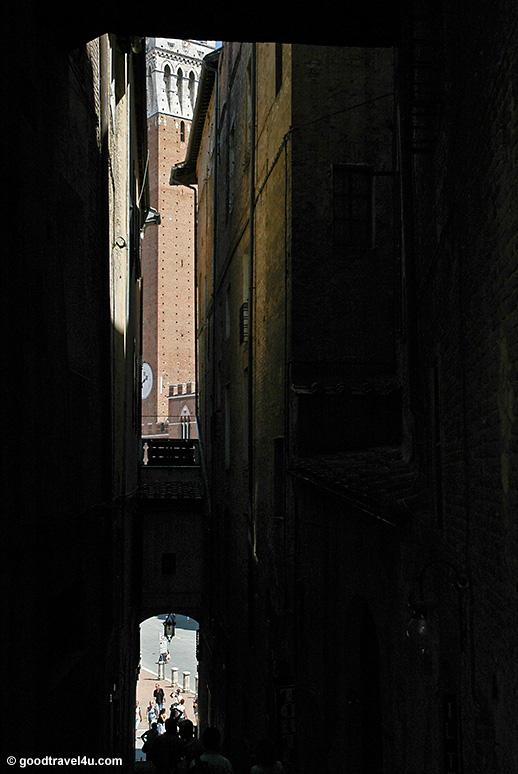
<point x="196" y="356"/>
<point x="185" y="174"/>
<point x="214" y="244"/>
<point x="195" y="261"/>
<point x="216" y="170"/>
<point x="404" y="99"/>
<point x="251" y="300"/>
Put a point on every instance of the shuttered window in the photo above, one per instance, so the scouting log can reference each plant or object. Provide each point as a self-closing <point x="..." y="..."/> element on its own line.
<point x="353" y="221"/>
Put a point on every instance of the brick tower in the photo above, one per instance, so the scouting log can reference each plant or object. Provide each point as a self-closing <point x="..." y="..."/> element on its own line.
<point x="168" y="373"/>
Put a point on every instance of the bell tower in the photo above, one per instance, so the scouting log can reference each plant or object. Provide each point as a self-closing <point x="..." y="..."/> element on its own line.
<point x="173" y="70"/>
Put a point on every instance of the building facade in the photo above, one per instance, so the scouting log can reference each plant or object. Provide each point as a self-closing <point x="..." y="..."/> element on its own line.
<point x="360" y="463"/>
<point x="76" y="153"/>
<point x="169" y="386"/>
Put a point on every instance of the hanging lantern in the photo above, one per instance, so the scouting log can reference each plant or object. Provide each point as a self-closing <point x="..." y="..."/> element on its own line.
<point x="169" y="625"/>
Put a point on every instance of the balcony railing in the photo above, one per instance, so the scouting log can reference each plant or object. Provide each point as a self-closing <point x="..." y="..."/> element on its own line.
<point x="176" y="426"/>
<point x="169" y="452"/>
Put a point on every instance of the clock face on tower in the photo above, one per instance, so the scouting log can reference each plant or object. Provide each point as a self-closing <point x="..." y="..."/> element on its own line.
<point x="147" y="380"/>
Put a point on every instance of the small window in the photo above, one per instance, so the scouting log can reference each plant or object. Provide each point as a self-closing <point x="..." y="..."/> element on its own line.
<point x="168" y="564"/>
<point x="185" y="421"/>
<point x="192" y="89"/>
<point x="243" y="323"/>
<point x="437" y="444"/>
<point x="179" y="86"/>
<point x="182" y="131"/>
<point x="227" y="426"/>
<point x="168" y="87"/>
<point x="150" y="90"/>
<point x="353" y="220"/>
<point x="227" y="313"/>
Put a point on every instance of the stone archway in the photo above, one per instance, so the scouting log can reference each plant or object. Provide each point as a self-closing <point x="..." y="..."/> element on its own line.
<point x="170" y="666"/>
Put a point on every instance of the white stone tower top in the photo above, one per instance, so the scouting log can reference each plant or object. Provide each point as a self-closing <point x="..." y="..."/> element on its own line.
<point x="173" y="71"/>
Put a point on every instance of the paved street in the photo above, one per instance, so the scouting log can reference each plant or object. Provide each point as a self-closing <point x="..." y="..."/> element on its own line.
<point x="182" y="650"/>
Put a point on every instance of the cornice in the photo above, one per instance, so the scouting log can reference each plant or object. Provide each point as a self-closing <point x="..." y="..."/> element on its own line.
<point x="173" y="56"/>
<point x="158" y="112"/>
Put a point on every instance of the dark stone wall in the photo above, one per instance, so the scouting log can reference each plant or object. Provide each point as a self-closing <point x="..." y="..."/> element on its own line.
<point x="465" y="296"/>
<point x="67" y="582"/>
<point x="345" y="290"/>
<point x="434" y="318"/>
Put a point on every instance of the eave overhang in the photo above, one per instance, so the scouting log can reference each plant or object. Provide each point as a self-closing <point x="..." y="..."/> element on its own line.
<point x="371" y="23"/>
<point x="184" y="173"/>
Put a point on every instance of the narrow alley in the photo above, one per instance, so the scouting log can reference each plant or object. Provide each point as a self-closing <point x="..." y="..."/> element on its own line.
<point x="261" y="345"/>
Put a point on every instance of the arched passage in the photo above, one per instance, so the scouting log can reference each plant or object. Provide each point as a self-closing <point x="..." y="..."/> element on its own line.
<point x="180" y="651"/>
<point x="168" y="674"/>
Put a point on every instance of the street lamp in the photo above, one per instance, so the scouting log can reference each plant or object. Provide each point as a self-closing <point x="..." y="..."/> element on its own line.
<point x="152" y="218"/>
<point x="169" y="625"/>
<point x="418" y="628"/>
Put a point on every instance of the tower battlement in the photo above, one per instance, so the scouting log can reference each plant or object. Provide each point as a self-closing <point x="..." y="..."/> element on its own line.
<point x="172" y="74"/>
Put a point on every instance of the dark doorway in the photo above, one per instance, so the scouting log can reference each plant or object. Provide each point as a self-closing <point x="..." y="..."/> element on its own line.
<point x="370" y="697"/>
<point x="363" y="726"/>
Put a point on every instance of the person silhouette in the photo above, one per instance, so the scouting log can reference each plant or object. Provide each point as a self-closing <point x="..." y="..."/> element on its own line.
<point x="266" y="759"/>
<point x="167" y="749"/>
<point x="148" y="737"/>
<point x="193" y="746"/>
<point x="215" y="763"/>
